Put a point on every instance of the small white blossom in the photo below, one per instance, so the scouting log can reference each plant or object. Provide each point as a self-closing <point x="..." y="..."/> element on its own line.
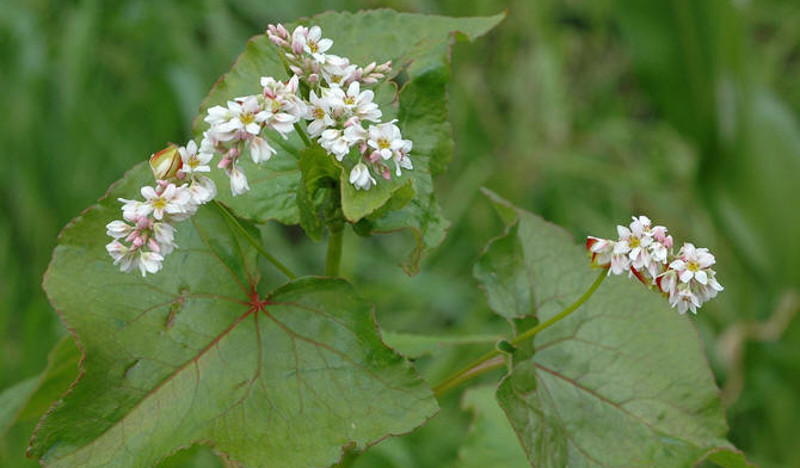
<point x="118" y="229"/>
<point x="238" y="181"/>
<point x="319" y="112"/>
<point x="166" y="200"/>
<point x="150" y="262"/>
<point x="164" y="235"/>
<point x="260" y="150"/>
<point x="692" y="263"/>
<point x="202" y="190"/>
<point x="337" y="70"/>
<point x="385" y="139"/>
<point x="361" y="178"/>
<point x="193" y="161"/>
<point x="335" y="142"/>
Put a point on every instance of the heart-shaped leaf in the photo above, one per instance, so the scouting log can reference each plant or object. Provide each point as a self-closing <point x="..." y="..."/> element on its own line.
<point x="621" y="382"/>
<point x="196" y="355"/>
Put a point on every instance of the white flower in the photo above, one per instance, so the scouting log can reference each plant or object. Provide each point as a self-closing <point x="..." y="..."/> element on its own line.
<point x="335" y="142"/>
<point x="248" y="113"/>
<point x="242" y="115"/>
<point x="260" y="150"/>
<point x="319" y="112"/>
<point x="684" y="299"/>
<point x="361" y="178"/>
<point x="150" y="262"/>
<point x="620" y="263"/>
<point x="689" y="280"/>
<point x="238" y="181"/>
<point x="167" y="200"/>
<point x="133" y="209"/>
<point x="385" y="139"/>
<point x="202" y="189"/>
<point x="634" y="243"/>
<point x="401" y="158"/>
<point x="193" y="161"/>
<point x="337" y="70"/>
<point x="693" y="263"/>
<point x="122" y="255"/>
<point x="164" y="235"/>
<point x="118" y="229"/>
<point x="310" y="41"/>
<point x="360" y="103"/>
<point x="280" y="97"/>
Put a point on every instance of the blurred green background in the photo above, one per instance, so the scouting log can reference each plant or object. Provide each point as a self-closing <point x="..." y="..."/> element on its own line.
<point x="582" y="111"/>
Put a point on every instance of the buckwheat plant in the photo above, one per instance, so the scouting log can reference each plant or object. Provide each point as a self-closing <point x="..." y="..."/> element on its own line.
<point x="273" y="364"/>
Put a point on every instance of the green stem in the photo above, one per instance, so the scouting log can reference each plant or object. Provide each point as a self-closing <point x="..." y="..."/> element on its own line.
<point x="234" y="222"/>
<point x="303" y="135"/>
<point x="334" y="256"/>
<point x="493" y="360"/>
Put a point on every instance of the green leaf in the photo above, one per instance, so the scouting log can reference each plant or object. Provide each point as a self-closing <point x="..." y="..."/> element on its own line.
<point x="504" y="273"/>
<point x="13" y="399"/>
<point x="421" y="64"/>
<point x="490" y="441"/>
<point x="621" y="382"/>
<point x="729" y="458"/>
<point x="29" y="400"/>
<point x="195" y="355"/>
<point x="60" y="373"/>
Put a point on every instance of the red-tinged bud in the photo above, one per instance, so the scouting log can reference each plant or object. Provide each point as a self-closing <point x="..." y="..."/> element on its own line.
<point x="166" y="163"/>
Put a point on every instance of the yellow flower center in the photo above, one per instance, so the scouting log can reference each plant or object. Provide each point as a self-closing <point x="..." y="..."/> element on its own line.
<point x="634" y="242"/>
<point x="160" y="203"/>
<point x="312" y="46"/>
<point x="247" y="118"/>
<point x="693" y="266"/>
<point x="383" y="143"/>
<point x="349" y="100"/>
<point x="319" y="113"/>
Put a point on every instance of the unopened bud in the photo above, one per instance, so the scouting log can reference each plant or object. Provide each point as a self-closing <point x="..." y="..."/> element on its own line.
<point x="166" y="163"/>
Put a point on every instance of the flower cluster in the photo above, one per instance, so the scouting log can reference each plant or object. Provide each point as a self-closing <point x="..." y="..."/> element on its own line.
<point x="646" y="251"/>
<point x="341" y="114"/>
<point x="326" y="91"/>
<point x="146" y="234"/>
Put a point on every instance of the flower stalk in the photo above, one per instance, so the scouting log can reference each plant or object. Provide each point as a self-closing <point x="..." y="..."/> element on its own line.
<point x="494" y="359"/>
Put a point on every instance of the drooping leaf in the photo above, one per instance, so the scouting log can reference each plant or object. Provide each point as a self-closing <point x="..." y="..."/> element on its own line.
<point x="194" y="354"/>
<point x="418" y="46"/>
<point x="620" y="382"/>
<point x="491" y="441"/>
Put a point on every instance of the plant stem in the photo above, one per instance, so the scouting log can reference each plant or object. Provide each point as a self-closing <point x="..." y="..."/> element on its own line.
<point x="234" y="222"/>
<point x="493" y="359"/>
<point x="303" y="135"/>
<point x="334" y="256"/>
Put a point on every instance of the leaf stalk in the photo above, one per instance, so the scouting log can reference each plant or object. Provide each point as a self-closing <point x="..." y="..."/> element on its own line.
<point x="493" y="359"/>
